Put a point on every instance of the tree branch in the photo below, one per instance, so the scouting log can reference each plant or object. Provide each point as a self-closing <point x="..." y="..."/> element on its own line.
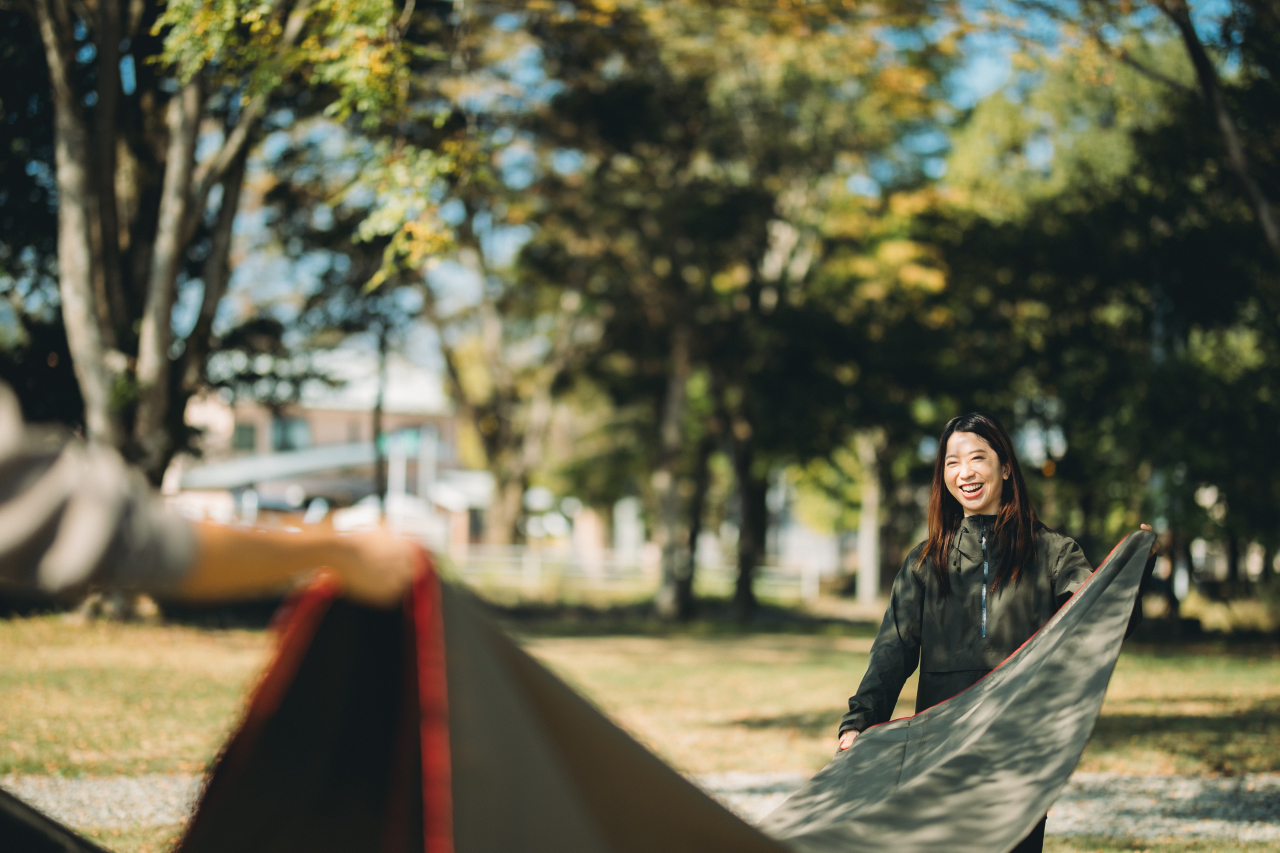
<point x="1125" y="57"/>
<point x="212" y="173"/>
<point x="1215" y="98"/>
<point x="109" y="279"/>
<point x="155" y="336"/>
<point x="216" y="274"/>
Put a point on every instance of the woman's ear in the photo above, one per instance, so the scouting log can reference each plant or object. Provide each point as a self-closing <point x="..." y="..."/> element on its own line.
<point x="1006" y="469"/>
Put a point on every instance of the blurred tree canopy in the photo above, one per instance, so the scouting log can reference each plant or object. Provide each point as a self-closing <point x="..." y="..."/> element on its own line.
<point x="709" y="242"/>
<point x="1117" y="294"/>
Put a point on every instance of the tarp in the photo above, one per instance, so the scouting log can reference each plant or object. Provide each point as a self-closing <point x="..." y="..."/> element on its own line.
<point x="429" y="730"/>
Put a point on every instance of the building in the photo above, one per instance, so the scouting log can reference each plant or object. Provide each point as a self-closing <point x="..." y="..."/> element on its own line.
<point x="313" y="462"/>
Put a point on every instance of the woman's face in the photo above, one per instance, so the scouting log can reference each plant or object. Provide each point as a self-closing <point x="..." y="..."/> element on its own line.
<point x="973" y="473"/>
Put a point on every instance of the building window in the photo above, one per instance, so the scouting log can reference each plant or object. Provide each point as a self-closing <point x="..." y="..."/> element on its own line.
<point x="290" y="433"/>
<point x="244" y="437"/>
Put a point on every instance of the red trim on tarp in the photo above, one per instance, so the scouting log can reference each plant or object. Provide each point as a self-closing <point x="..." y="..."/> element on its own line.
<point x="433" y="703"/>
<point x="298" y="622"/>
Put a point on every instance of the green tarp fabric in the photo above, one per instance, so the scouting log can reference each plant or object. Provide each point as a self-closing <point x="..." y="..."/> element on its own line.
<point x="389" y="731"/>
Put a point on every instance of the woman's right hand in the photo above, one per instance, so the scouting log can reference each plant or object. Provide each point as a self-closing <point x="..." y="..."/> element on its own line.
<point x="846" y="739"/>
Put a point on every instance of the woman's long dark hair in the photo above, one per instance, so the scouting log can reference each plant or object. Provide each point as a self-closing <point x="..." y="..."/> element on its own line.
<point x="1016" y="520"/>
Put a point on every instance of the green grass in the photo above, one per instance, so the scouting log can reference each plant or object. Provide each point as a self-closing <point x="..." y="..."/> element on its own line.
<point x="1209" y="712"/>
<point x="1090" y="844"/>
<point x="772" y="702"/>
<point x="119" y="699"/>
<point x="108" y="699"/>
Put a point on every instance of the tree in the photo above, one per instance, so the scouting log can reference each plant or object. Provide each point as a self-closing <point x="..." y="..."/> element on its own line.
<point x="1247" y="34"/>
<point x="135" y="90"/>
<point x="708" y="141"/>
<point x="1102" y="257"/>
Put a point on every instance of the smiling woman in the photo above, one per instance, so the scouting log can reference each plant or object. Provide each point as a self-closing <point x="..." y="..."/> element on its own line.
<point x="988" y="576"/>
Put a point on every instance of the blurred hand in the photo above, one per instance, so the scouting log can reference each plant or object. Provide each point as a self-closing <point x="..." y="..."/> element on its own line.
<point x="846" y="739"/>
<point x="378" y="567"/>
<point x="1155" y="544"/>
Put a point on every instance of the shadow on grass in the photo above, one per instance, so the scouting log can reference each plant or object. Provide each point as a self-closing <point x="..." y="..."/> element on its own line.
<point x="1244" y="742"/>
<point x="715" y="617"/>
<point x="806" y="723"/>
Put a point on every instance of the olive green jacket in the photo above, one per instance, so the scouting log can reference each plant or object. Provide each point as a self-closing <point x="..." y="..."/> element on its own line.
<point x="945" y="634"/>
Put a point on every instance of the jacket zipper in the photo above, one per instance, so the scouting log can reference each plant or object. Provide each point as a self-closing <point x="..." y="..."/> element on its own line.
<point x="984" y="578"/>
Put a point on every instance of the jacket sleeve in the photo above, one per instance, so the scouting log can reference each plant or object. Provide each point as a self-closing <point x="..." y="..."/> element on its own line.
<point x="73" y="516"/>
<point x="895" y="654"/>
<point x="1071" y="570"/>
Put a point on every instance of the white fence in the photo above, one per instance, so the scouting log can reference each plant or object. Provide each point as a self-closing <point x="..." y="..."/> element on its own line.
<point x="532" y="572"/>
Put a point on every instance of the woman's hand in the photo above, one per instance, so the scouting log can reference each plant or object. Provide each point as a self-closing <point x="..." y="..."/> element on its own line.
<point x="846" y="739"/>
<point x="1155" y="545"/>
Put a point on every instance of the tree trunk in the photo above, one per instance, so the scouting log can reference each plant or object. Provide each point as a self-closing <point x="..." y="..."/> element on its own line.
<point x="75" y="241"/>
<point x="153" y="441"/>
<point x="108" y="287"/>
<point x="666" y="478"/>
<point x="752" y="493"/>
<point x="1233" y="562"/>
<point x="869" y="521"/>
<point x="504" y="511"/>
<point x="379" y="463"/>
<point x="686" y="604"/>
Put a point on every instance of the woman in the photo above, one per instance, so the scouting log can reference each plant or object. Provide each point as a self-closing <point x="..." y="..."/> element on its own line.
<point x="987" y="578"/>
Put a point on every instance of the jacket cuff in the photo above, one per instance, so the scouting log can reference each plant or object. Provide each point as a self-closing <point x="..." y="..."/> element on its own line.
<point x="856" y="721"/>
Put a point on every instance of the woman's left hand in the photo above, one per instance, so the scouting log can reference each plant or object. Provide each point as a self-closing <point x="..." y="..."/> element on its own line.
<point x="1155" y="543"/>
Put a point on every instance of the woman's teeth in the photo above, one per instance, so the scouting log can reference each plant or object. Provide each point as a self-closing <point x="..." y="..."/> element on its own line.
<point x="971" y="490"/>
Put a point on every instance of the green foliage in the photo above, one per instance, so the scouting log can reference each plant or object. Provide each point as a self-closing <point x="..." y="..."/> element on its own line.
<point x="352" y="47"/>
<point x="1121" y="285"/>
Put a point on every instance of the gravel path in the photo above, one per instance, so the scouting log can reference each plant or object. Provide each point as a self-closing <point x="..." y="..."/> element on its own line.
<point x="114" y="802"/>
<point x="1239" y="808"/>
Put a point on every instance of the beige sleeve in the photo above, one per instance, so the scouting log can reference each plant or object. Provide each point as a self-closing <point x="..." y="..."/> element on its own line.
<point x="73" y="516"/>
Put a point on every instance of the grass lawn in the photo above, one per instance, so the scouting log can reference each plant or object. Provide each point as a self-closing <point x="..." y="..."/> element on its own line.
<point x="772" y="702"/>
<point x="129" y="699"/>
<point x="1111" y="845"/>
<point x="119" y="699"/>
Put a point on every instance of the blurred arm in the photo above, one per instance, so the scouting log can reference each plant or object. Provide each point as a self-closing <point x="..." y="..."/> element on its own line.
<point x="234" y="562"/>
